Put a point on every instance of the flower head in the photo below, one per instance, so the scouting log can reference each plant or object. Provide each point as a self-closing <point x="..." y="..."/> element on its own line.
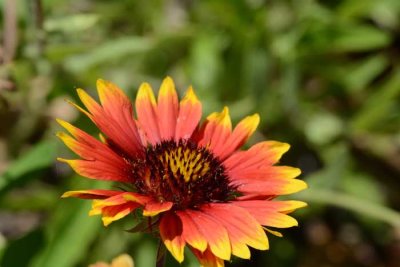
<point x="191" y="181"/>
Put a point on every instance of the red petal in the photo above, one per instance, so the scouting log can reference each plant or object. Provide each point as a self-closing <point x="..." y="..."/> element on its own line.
<point x="167" y="109"/>
<point x="271" y="213"/>
<point x="115" y="117"/>
<point x="91" y="194"/>
<point x="114" y="213"/>
<point x="207" y="258"/>
<point x="216" y="131"/>
<point x="189" y="115"/>
<point x="146" y="109"/>
<point x="241" y="226"/>
<point x="240" y="134"/>
<point x="171" y="234"/>
<point x="153" y="208"/>
<point x="191" y="232"/>
<point x="258" y="156"/>
<point x="215" y="234"/>
<point x="96" y="169"/>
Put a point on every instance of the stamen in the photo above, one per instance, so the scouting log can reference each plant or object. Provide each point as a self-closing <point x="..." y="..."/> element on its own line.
<point x="183" y="173"/>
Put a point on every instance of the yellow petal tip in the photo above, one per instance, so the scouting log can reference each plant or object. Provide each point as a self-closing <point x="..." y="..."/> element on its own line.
<point x="190" y="96"/>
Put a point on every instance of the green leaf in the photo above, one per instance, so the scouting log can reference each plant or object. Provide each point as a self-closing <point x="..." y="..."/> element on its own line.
<point x="19" y="252"/>
<point x="40" y="156"/>
<point x="109" y="51"/>
<point x="69" y="235"/>
<point x="352" y="203"/>
<point x="379" y="104"/>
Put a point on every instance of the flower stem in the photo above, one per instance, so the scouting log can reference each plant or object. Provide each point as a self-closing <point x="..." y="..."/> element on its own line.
<point x="161" y="253"/>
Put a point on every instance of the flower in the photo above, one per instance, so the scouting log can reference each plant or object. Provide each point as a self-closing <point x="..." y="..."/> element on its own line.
<point x="192" y="182"/>
<point x="123" y="260"/>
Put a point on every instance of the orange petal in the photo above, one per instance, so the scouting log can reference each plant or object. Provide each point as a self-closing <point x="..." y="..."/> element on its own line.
<point x="265" y="173"/>
<point x="191" y="232"/>
<point x="136" y="197"/>
<point x="114" y="213"/>
<point x="240" y="134"/>
<point x="241" y="226"/>
<point x="89" y="148"/>
<point x="100" y="162"/>
<point x="171" y="234"/>
<point x="215" y="234"/>
<point x="217" y="130"/>
<point x="154" y="208"/>
<point x="91" y="194"/>
<point x="119" y="108"/>
<point x="189" y="115"/>
<point x="99" y="170"/>
<point x="272" y="213"/>
<point x="167" y="109"/>
<point x="259" y="155"/>
<point x="115" y="207"/>
<point x="270" y="187"/>
<point x="115" y="118"/>
<point x="207" y="258"/>
<point x="146" y="109"/>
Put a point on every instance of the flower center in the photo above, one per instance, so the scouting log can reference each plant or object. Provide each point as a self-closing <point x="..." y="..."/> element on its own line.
<point x="183" y="173"/>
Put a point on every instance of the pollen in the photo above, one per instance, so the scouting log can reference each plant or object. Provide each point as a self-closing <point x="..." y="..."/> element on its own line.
<point x="183" y="173"/>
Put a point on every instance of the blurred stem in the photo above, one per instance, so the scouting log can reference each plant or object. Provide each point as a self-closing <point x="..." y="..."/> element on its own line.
<point x="352" y="203"/>
<point x="161" y="253"/>
<point x="10" y="30"/>
<point x="37" y="11"/>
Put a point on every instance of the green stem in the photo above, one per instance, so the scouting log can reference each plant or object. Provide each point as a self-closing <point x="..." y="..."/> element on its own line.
<point x="352" y="203"/>
<point x="161" y="254"/>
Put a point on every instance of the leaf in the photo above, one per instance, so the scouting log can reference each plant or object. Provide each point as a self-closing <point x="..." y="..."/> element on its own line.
<point x="109" y="51"/>
<point x="379" y="104"/>
<point x="358" y="38"/>
<point x="352" y="203"/>
<point x="70" y="232"/>
<point x="19" y="252"/>
<point x="40" y="156"/>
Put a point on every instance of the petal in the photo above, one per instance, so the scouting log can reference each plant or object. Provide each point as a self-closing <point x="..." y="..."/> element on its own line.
<point x="265" y="173"/>
<point x="240" y="134"/>
<point x="100" y="162"/>
<point x="85" y="145"/>
<point x="272" y="213"/>
<point x="189" y="115"/>
<point x="207" y="258"/>
<point x="136" y="197"/>
<point x="123" y="260"/>
<point x="216" y="131"/>
<point x="215" y="234"/>
<point x="191" y="232"/>
<point x="171" y="234"/>
<point x="241" y="226"/>
<point x="270" y="187"/>
<point x="114" y="213"/>
<point x="167" y="109"/>
<point x="117" y="206"/>
<point x="91" y="194"/>
<point x="115" y="117"/>
<point x="259" y="155"/>
<point x="99" y="170"/>
<point x="154" y="208"/>
<point x="146" y="109"/>
<point x="272" y="180"/>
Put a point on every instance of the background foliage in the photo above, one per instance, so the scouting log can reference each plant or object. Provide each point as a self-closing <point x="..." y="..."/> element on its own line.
<point x="324" y="76"/>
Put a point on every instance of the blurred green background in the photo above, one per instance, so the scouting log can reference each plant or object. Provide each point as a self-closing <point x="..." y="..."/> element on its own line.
<point x="324" y="76"/>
